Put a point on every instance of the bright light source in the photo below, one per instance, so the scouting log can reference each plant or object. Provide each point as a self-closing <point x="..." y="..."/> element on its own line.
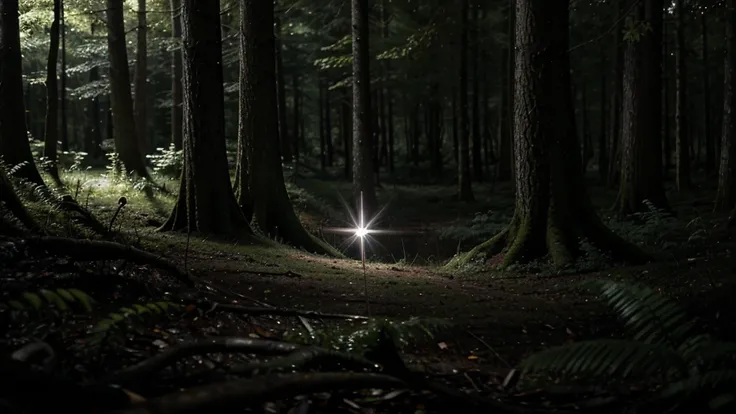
<point x="361" y="232"/>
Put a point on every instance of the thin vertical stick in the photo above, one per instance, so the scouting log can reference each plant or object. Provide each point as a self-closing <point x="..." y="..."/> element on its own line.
<point x="362" y="257"/>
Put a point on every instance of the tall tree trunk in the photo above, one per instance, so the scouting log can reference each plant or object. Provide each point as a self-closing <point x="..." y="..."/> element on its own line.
<point x="93" y="131"/>
<point x="726" y="193"/>
<point x="641" y="134"/>
<point x="553" y="212"/>
<point x="322" y="124"/>
<point x="506" y="112"/>
<point x="475" y="57"/>
<point x="602" y="134"/>
<point x="296" y="109"/>
<point x="710" y="153"/>
<point x="51" y="132"/>
<point x="259" y="164"/>
<point x="141" y="73"/>
<point x="363" y="180"/>
<point x="455" y="128"/>
<point x="666" y="85"/>
<point x="614" y="107"/>
<point x="328" y="126"/>
<point x="14" y="146"/>
<point x="345" y="132"/>
<point x="284" y="138"/>
<point x="64" y="115"/>
<point x="126" y="140"/>
<point x="682" y="139"/>
<point x="465" y="191"/>
<point x="206" y="203"/>
<point x="176" y="95"/>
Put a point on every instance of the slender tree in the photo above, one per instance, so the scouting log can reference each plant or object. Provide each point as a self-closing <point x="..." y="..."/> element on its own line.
<point x="176" y="95"/>
<point x="726" y="193"/>
<point x="206" y="203"/>
<point x="553" y="211"/>
<point x="465" y="191"/>
<point x="124" y="131"/>
<point x="682" y="139"/>
<point x="641" y="132"/>
<point x="15" y="149"/>
<point x="141" y="73"/>
<point x="614" y="103"/>
<point x="63" y="100"/>
<point x="51" y="131"/>
<point x="284" y="139"/>
<point x="710" y="148"/>
<point x="363" y="180"/>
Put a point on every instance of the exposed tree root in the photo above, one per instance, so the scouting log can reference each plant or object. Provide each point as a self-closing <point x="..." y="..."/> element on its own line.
<point x="14" y="205"/>
<point x="304" y="359"/>
<point x="205" y="346"/>
<point x="93" y="250"/>
<point x="256" y="311"/>
<point x="236" y="394"/>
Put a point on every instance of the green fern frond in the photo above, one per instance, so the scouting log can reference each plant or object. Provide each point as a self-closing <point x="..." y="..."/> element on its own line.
<point x="129" y="315"/>
<point x="649" y="315"/>
<point x="722" y="383"/>
<point x="605" y="358"/>
<point x="403" y="333"/>
<point x="60" y="299"/>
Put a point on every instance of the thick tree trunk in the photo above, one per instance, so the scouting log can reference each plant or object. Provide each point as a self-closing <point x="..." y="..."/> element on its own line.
<point x="259" y="173"/>
<point x="726" y="193"/>
<point x="126" y="140"/>
<point x="682" y="138"/>
<point x="140" y="77"/>
<point x="284" y="138"/>
<point x="206" y="203"/>
<point x="14" y="147"/>
<point x="176" y="95"/>
<point x="363" y="180"/>
<point x="51" y="132"/>
<point x="710" y="150"/>
<point x="641" y="132"/>
<point x="553" y="213"/>
<point x="465" y="191"/>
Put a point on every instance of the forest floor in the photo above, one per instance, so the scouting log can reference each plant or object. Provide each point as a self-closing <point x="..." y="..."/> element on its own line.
<point x="497" y="317"/>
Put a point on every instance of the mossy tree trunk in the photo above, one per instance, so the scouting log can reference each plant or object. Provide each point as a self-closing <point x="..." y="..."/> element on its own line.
<point x="553" y="212"/>
<point x="726" y="193"/>
<point x="259" y="177"/>
<point x="206" y="203"/>
<point x="363" y="179"/>
<point x="641" y="132"/>
<point x="51" y="131"/>
<point x="14" y="147"/>
<point x="121" y="98"/>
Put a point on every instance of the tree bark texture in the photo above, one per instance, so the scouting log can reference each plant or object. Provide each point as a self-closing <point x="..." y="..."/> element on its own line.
<point x="51" y="132"/>
<point x="140" y="81"/>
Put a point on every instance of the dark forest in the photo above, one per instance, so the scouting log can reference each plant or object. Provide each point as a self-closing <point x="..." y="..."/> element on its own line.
<point x="367" y="206"/>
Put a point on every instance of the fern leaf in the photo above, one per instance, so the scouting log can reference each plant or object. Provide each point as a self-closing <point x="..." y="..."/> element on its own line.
<point x="84" y="299"/>
<point x="66" y="295"/>
<point x="55" y="299"/>
<point x="609" y="357"/>
<point x="17" y="305"/>
<point x="33" y="299"/>
<point x="697" y="384"/>
<point x="650" y="316"/>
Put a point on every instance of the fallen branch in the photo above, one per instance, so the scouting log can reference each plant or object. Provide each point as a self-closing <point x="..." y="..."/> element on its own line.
<point x="94" y="250"/>
<point x="303" y="359"/>
<point x="233" y="395"/>
<point x="257" y="311"/>
<point x="205" y="346"/>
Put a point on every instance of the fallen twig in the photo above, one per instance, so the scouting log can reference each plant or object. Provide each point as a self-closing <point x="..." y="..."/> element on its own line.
<point x="205" y="346"/>
<point x="255" y="311"/>
<point x="490" y="348"/>
<point x="305" y="358"/>
<point x="94" y="250"/>
<point x="236" y="394"/>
